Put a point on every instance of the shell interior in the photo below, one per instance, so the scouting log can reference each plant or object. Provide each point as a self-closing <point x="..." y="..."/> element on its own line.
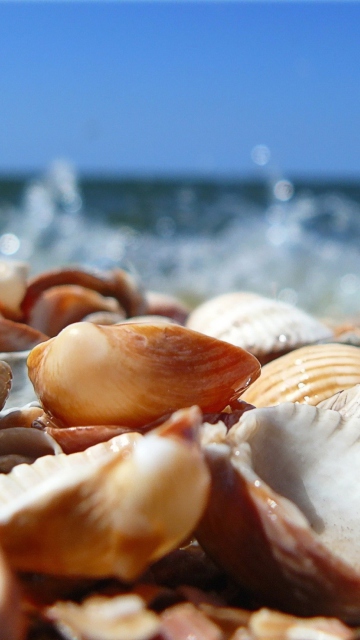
<point x="311" y="457"/>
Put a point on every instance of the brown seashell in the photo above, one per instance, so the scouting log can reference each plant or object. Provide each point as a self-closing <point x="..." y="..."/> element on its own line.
<point x="116" y="283"/>
<point x="73" y="439"/>
<point x="265" y="327"/>
<point x="59" y="306"/>
<point x="162" y="304"/>
<point x="109" y="511"/>
<point x="307" y="375"/>
<point x="17" y="336"/>
<point x="132" y="374"/>
<point x="13" y="283"/>
<point x="5" y="382"/>
<point x="19" y="445"/>
<point x="12" y="619"/>
<point x="283" y="516"/>
<point x="20" y="416"/>
<point x="121" y="617"/>
<point x="22" y="391"/>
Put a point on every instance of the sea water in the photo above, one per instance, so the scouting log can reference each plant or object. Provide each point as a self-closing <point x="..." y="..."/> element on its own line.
<point x="194" y="238"/>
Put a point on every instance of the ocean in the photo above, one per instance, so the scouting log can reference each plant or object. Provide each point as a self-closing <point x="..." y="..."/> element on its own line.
<point x="298" y="241"/>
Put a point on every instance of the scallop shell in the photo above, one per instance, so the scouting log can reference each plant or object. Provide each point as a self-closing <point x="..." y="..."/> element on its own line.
<point x="267" y="328"/>
<point x="347" y="402"/>
<point x="307" y="375"/>
<point x="284" y="516"/>
<point x="110" y="510"/>
<point x="132" y="374"/>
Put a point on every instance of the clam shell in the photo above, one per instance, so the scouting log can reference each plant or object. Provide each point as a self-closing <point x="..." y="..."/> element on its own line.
<point x="59" y="306"/>
<point x="110" y="510"/>
<point x="132" y="374"/>
<point x="284" y="509"/>
<point x="307" y="375"/>
<point x="116" y="283"/>
<point x="265" y="327"/>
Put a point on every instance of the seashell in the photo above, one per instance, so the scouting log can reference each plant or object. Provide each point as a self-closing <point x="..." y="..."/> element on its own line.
<point x="347" y="402"/>
<point x="267" y="328"/>
<point x="12" y="620"/>
<point x="20" y="445"/>
<point x="73" y="439"/>
<point x="59" y="306"/>
<point x="104" y="317"/>
<point x="121" y="617"/>
<point x="116" y="283"/>
<point x="17" y="336"/>
<point x="109" y="511"/>
<point x="284" y="512"/>
<point x="5" y="381"/>
<point x="13" y="283"/>
<point x="22" y="391"/>
<point x="274" y="625"/>
<point x="20" y="416"/>
<point x="184" y="620"/>
<point x="161" y="304"/>
<point x="132" y="374"/>
<point x="307" y="375"/>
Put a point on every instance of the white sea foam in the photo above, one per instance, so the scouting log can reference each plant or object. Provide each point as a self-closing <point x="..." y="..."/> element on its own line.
<point x="300" y="248"/>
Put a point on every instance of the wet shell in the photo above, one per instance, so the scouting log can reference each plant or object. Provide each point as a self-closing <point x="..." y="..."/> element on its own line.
<point x="267" y="328"/>
<point x="132" y="374"/>
<point x="307" y="375"/>
<point x="284" y="509"/>
<point x="109" y="511"/>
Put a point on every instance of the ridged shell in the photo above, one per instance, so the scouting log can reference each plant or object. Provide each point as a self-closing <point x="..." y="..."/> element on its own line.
<point x="265" y="327"/>
<point x="110" y="510"/>
<point x="307" y="375"/>
<point x="132" y="374"/>
<point x="283" y="516"/>
<point x="347" y="402"/>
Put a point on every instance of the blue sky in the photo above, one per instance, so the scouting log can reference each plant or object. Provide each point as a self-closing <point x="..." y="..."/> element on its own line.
<point x="180" y="87"/>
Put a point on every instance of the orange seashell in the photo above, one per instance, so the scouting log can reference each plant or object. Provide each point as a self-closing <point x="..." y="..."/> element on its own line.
<point x="108" y="511"/>
<point x="132" y="374"/>
<point x="307" y="375"/>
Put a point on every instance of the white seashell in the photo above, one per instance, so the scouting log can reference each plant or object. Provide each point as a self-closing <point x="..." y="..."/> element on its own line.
<point x="263" y="326"/>
<point x="122" y="617"/>
<point x="13" y="282"/>
<point x="110" y="510"/>
<point x="284" y="508"/>
<point x="347" y="402"/>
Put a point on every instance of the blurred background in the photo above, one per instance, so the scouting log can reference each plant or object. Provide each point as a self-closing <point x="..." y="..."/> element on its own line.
<point x="206" y="146"/>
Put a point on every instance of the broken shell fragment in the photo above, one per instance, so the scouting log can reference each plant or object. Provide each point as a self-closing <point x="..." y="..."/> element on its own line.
<point x="265" y="327"/>
<point x="109" y="511"/>
<point x="283" y="516"/>
<point x="307" y="375"/>
<point x="122" y="617"/>
<point x="132" y="374"/>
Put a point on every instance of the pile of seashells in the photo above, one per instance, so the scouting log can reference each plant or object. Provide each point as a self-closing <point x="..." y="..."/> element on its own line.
<point x="168" y="474"/>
